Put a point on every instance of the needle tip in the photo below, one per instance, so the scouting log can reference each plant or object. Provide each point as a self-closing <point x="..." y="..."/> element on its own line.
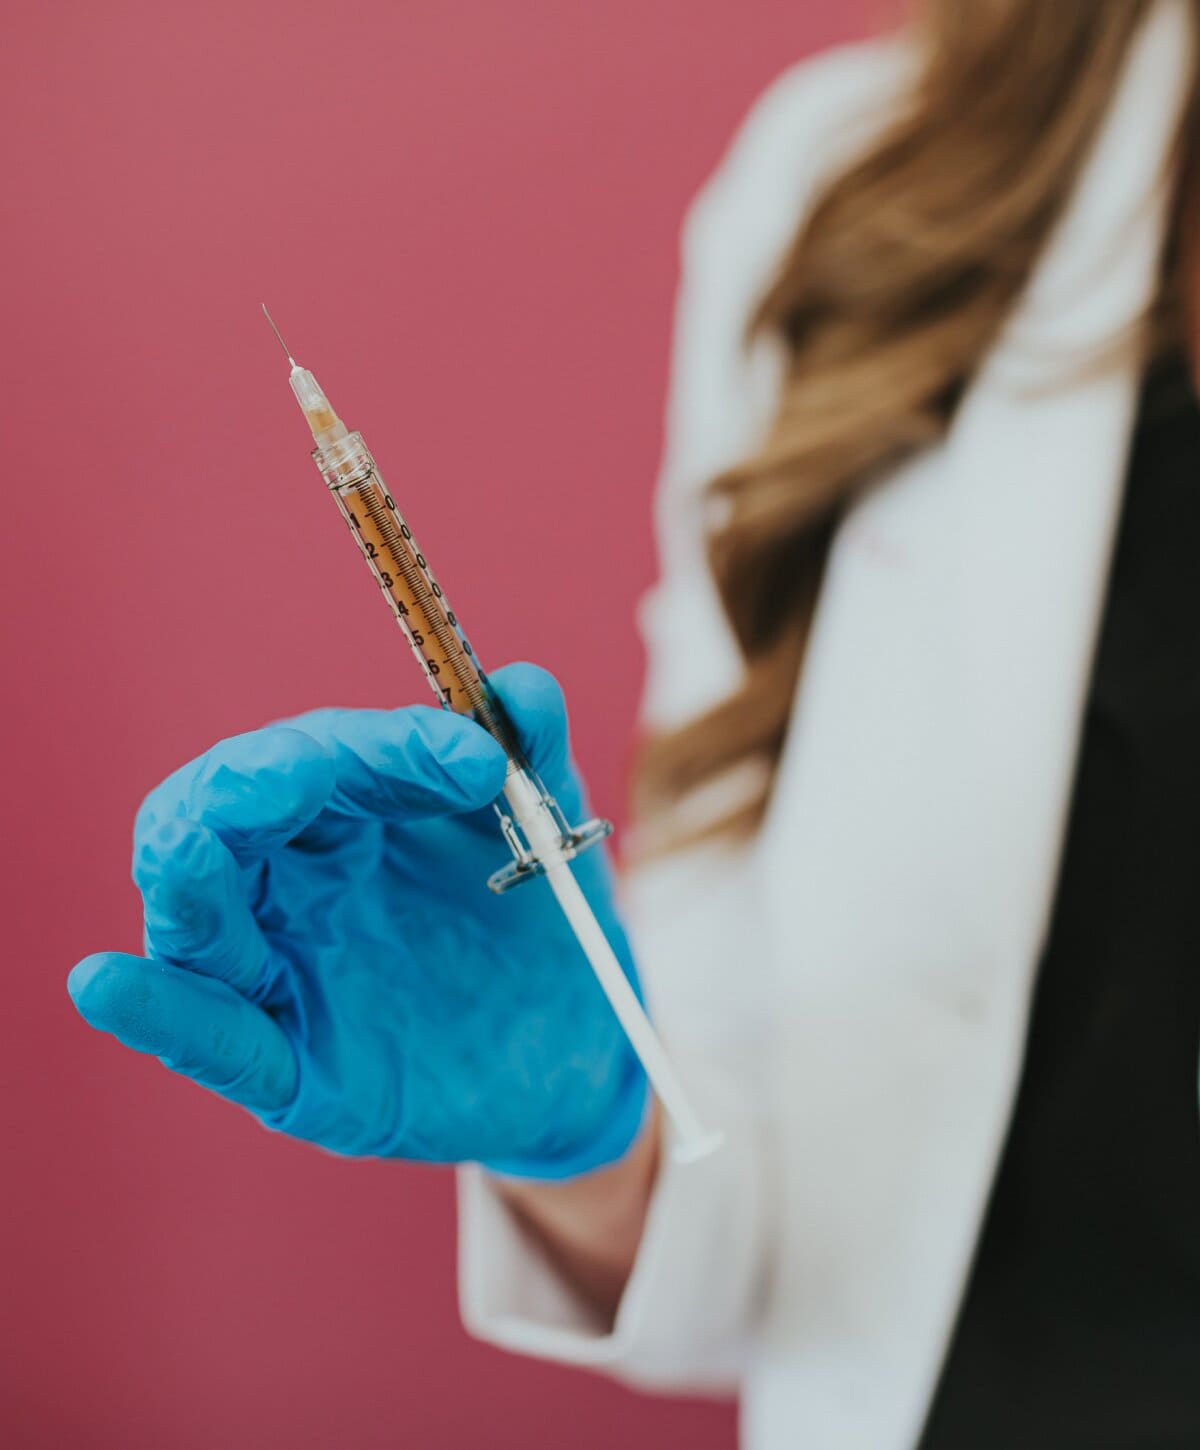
<point x="275" y="330"/>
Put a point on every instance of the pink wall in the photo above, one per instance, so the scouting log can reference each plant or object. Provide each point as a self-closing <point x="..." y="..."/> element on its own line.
<point x="464" y="218"/>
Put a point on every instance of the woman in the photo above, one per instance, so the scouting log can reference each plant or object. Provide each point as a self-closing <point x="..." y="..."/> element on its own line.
<point x="922" y="706"/>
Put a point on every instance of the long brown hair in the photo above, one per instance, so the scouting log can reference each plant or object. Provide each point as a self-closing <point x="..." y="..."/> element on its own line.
<point x="887" y="300"/>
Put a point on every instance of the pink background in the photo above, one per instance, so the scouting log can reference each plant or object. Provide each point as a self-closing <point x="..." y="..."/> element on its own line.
<point x="464" y="217"/>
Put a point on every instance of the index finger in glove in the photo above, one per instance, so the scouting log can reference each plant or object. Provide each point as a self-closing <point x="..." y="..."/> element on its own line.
<point x="254" y="791"/>
<point x="408" y="763"/>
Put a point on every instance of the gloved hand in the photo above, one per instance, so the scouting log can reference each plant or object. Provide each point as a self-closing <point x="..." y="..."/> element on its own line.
<point x="323" y="949"/>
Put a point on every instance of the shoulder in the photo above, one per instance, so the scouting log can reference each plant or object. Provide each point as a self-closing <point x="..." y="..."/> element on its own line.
<point x="807" y="124"/>
<point x="824" y="92"/>
<point x="804" y="127"/>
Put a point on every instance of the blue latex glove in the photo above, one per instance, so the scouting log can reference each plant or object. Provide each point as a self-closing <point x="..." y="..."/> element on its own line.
<point x="323" y="949"/>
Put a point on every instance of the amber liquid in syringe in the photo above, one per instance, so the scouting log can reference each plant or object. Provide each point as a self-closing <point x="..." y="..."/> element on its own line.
<point x="417" y="600"/>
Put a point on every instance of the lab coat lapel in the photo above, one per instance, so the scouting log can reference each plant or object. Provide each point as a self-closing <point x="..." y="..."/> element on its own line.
<point x="911" y="852"/>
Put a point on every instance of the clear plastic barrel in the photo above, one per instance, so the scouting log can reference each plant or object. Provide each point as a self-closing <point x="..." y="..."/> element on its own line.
<point x="416" y="598"/>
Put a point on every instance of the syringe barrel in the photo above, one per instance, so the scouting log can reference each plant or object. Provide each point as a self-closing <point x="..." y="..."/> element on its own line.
<point x="536" y="830"/>
<point x="416" y="598"/>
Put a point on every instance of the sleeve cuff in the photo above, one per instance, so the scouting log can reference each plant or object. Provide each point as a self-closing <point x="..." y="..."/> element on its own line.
<point x="683" y="1320"/>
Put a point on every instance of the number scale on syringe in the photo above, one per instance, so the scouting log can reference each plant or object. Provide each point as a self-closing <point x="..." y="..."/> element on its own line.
<point x="418" y="602"/>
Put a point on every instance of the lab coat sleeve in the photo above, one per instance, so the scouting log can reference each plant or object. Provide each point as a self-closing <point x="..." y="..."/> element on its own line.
<point x="687" y="1315"/>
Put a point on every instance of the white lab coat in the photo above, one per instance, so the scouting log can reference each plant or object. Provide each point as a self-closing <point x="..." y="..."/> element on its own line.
<point x="848" y="997"/>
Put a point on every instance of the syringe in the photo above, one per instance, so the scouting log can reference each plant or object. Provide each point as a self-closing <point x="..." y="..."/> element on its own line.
<point x="541" y="840"/>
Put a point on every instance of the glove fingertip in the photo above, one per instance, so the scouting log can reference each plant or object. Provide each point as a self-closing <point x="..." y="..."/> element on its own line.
<point x="469" y="764"/>
<point x="95" y="985"/>
<point x="294" y="768"/>
<point x="82" y="975"/>
<point x="537" y="708"/>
